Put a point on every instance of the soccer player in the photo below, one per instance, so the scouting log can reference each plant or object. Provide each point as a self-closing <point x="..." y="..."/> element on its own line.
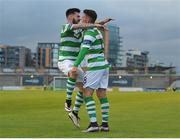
<point x="70" y="46"/>
<point x="96" y="76"/>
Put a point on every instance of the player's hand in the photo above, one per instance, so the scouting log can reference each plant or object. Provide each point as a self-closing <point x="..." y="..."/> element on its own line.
<point x="107" y="20"/>
<point x="99" y="25"/>
<point x="105" y="28"/>
<point x="74" y="69"/>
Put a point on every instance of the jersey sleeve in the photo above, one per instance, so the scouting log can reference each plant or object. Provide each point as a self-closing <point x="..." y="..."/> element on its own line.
<point x="67" y="27"/>
<point x="81" y="56"/>
<point x="88" y="39"/>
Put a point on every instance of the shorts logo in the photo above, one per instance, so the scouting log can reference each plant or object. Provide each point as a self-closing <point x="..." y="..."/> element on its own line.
<point x="85" y="80"/>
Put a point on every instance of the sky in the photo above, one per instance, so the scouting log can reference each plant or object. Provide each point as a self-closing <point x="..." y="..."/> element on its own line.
<point x="147" y="25"/>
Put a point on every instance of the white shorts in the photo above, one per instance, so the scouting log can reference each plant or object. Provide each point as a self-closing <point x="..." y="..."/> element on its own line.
<point x="96" y="79"/>
<point x="66" y="65"/>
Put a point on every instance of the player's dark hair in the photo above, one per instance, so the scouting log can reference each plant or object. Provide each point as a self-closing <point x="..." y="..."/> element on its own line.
<point x="72" y="11"/>
<point x="92" y="14"/>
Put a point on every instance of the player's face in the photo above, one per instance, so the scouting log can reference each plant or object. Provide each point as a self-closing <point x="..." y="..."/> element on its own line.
<point x="85" y="18"/>
<point x="76" y="18"/>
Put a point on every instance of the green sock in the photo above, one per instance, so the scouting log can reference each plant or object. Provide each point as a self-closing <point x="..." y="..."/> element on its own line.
<point x="104" y="109"/>
<point x="78" y="102"/>
<point x="71" y="83"/>
<point x="91" y="108"/>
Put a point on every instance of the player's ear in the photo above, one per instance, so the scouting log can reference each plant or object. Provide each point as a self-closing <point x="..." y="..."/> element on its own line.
<point x="70" y="16"/>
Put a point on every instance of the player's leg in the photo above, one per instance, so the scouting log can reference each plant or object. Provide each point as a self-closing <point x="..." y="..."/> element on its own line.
<point x="65" y="66"/>
<point x="90" y="84"/>
<point x="91" y="109"/>
<point x="78" y="102"/>
<point x="70" y="85"/>
<point x="101" y="94"/>
<point x="79" y="99"/>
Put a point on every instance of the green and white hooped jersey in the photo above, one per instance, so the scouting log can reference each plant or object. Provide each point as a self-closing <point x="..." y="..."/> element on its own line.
<point x="70" y="43"/>
<point x="93" y="39"/>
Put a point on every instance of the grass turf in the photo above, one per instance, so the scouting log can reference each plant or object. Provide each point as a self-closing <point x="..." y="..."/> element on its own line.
<point x="41" y="114"/>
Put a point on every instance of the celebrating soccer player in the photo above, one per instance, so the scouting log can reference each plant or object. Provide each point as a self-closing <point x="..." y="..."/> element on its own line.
<point x="96" y="76"/>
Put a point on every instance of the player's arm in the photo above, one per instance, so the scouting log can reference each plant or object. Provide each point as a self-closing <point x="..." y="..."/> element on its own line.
<point x="83" y="52"/>
<point x="99" y="24"/>
<point x="104" y="21"/>
<point x="105" y="32"/>
<point x="106" y="42"/>
<point x="86" y="44"/>
<point x="85" y="26"/>
<point x="68" y="27"/>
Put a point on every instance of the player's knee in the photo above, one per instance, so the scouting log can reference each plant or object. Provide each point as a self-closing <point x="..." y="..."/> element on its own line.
<point x="82" y="90"/>
<point x="80" y="86"/>
<point x="72" y="75"/>
<point x="101" y="93"/>
<point x="88" y="92"/>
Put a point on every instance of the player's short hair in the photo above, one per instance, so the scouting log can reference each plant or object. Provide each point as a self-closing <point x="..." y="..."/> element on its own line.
<point x="72" y="11"/>
<point x="91" y="13"/>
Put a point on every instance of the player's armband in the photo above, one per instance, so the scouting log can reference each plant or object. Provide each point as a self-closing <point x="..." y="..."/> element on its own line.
<point x="86" y="43"/>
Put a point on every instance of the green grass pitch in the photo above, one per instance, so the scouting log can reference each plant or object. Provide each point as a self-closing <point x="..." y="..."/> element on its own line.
<point x="41" y="114"/>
